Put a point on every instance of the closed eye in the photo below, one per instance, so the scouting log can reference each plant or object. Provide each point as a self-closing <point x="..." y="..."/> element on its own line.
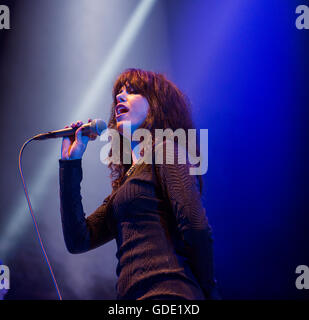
<point x="131" y="90"/>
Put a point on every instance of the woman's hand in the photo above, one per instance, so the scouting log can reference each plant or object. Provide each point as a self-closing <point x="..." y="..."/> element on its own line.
<point x="73" y="147"/>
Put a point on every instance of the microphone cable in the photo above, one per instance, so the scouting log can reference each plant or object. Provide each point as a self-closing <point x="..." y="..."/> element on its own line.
<point x="34" y="220"/>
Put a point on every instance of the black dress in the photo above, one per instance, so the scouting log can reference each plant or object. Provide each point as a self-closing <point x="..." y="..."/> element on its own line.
<point x="156" y="216"/>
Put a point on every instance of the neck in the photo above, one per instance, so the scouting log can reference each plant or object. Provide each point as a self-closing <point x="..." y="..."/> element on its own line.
<point x="135" y="147"/>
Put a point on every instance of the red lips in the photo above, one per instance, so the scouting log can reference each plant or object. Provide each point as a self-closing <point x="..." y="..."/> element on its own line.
<point x="121" y="109"/>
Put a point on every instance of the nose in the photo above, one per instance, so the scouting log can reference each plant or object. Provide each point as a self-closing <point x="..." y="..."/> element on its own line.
<point x="121" y="97"/>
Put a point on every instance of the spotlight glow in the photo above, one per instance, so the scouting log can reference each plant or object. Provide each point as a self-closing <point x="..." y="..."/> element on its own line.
<point x="19" y="217"/>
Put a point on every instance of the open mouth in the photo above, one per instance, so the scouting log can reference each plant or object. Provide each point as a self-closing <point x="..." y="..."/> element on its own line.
<point x="121" y="109"/>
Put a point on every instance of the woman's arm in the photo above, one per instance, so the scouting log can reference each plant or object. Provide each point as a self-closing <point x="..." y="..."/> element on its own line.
<point x="81" y="234"/>
<point x="181" y="190"/>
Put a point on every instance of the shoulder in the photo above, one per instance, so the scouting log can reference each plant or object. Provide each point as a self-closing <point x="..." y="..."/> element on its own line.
<point x="171" y="160"/>
<point x="170" y="152"/>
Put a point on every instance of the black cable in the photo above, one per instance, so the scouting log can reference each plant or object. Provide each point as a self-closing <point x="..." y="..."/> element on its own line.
<point x="34" y="220"/>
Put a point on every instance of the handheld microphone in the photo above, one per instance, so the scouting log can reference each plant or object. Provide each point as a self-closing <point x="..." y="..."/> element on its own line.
<point x="96" y="127"/>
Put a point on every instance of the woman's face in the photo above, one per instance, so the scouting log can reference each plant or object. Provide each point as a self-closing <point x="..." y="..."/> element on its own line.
<point x="131" y="107"/>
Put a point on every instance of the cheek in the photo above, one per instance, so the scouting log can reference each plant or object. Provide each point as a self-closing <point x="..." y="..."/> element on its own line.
<point x="142" y="109"/>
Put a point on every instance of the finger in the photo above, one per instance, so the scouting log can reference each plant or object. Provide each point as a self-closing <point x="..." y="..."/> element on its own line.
<point x="69" y="138"/>
<point x="65" y="146"/>
<point x="92" y="137"/>
<point x="80" y="137"/>
<point x="66" y="142"/>
<point x="76" y="124"/>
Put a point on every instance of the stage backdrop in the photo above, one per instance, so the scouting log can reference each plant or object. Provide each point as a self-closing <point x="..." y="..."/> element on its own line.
<point x="244" y="66"/>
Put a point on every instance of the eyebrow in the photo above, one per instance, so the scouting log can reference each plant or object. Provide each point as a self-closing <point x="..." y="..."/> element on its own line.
<point x="124" y="86"/>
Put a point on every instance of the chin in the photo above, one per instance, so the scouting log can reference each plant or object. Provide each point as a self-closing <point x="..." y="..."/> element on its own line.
<point x="133" y="126"/>
<point x="119" y="128"/>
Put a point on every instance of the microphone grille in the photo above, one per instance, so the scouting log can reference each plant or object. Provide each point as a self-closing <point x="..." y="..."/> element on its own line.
<point x="98" y="126"/>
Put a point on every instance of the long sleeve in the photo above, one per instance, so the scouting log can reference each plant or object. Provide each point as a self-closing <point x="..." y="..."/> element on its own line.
<point x="181" y="190"/>
<point x="80" y="233"/>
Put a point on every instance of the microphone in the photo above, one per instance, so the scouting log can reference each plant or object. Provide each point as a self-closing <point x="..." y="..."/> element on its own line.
<point x="96" y="127"/>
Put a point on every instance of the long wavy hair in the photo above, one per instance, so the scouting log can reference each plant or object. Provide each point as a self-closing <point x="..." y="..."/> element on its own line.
<point x="168" y="108"/>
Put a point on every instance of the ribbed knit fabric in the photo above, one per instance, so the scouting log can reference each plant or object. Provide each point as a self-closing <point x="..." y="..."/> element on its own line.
<point x="162" y="233"/>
